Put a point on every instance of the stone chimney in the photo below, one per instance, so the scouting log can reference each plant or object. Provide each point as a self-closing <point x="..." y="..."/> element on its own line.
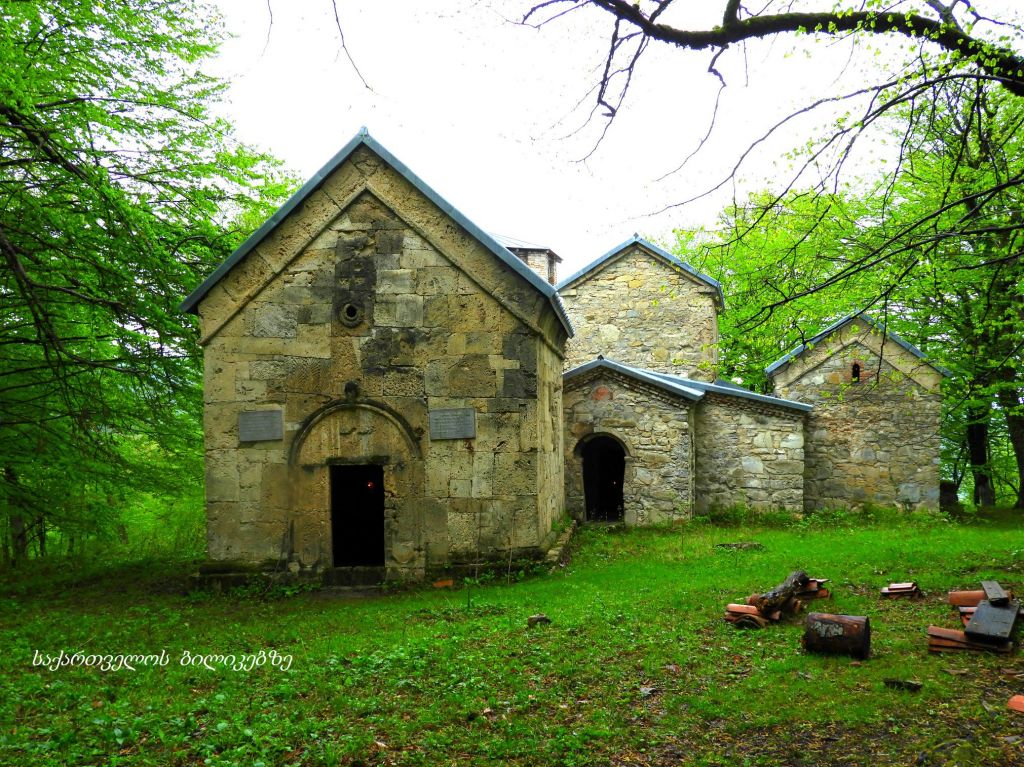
<point x="543" y="261"/>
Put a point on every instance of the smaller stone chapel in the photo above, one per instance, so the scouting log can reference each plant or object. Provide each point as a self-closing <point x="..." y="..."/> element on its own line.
<point x="390" y="390"/>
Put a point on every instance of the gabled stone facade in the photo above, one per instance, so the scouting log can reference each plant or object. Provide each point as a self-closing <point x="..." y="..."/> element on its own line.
<point x="376" y="330"/>
<point x="820" y="442"/>
<point x="651" y="420"/>
<point x="873" y="435"/>
<point x="644" y="307"/>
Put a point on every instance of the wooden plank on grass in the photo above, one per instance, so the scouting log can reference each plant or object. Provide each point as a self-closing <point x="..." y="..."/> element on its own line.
<point x="992" y="623"/>
<point x="994" y="593"/>
<point x="935" y="644"/>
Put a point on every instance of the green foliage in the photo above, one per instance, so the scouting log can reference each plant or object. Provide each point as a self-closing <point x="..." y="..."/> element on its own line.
<point x="118" y="187"/>
<point x="772" y="255"/>
<point x="636" y="666"/>
<point x="932" y="249"/>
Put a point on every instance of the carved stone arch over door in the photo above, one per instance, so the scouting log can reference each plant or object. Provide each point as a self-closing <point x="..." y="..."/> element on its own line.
<point x="368" y="434"/>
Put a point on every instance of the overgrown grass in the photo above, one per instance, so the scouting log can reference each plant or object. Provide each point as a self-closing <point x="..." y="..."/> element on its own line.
<point x="636" y="667"/>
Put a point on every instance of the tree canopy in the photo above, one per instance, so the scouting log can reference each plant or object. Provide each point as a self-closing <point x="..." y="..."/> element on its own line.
<point x="950" y="220"/>
<point x="118" y="185"/>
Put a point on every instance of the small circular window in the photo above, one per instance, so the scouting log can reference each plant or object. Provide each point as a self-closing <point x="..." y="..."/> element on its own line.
<point x="351" y="315"/>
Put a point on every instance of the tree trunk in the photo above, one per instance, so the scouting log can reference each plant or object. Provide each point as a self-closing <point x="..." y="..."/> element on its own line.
<point x="838" y="634"/>
<point x="777" y="598"/>
<point x="16" y="523"/>
<point x="977" y="449"/>
<point x="41" y="536"/>
<point x="19" y="539"/>
<point x="1009" y="400"/>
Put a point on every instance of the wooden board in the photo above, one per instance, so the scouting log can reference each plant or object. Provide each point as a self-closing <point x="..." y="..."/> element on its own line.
<point x="994" y="593"/>
<point x="992" y="623"/>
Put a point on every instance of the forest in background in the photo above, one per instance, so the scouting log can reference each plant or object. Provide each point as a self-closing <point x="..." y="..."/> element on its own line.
<point x="119" y="193"/>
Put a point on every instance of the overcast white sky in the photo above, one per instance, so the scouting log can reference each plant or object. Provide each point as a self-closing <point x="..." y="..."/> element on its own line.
<point x="485" y="110"/>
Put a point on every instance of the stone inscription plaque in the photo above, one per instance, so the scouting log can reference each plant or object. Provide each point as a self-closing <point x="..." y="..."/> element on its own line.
<point x="260" y="426"/>
<point x="455" y="423"/>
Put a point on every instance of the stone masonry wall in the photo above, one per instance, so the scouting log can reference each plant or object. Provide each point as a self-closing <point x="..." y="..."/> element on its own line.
<point x="748" y="454"/>
<point x="875" y="442"/>
<point x="872" y="442"/>
<point x="551" y="463"/>
<point x="640" y="311"/>
<point x="356" y="320"/>
<point x="657" y="432"/>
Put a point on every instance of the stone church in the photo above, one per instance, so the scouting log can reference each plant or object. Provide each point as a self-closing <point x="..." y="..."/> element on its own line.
<point x="389" y="389"/>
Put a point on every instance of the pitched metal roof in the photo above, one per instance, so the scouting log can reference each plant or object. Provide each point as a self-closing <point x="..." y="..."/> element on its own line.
<point x="729" y="389"/>
<point x="363" y="138"/>
<point x="660" y="253"/>
<point x="514" y="244"/>
<point x="644" y="376"/>
<point x="684" y="387"/>
<point x="796" y="351"/>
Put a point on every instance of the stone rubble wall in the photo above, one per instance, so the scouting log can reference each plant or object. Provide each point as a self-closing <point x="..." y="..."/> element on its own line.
<point x="748" y="454"/>
<point x="640" y="311"/>
<point x="437" y="324"/>
<point x="873" y="442"/>
<point x="657" y="432"/>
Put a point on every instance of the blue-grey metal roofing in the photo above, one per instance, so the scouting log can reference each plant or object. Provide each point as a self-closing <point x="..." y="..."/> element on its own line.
<point x="672" y="386"/>
<point x="685" y="387"/>
<point x="659" y="252"/>
<point x="729" y="389"/>
<point x="796" y="351"/>
<point x="363" y="138"/>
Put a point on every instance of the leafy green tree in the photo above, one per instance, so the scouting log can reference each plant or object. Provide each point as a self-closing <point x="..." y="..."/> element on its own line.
<point x="963" y="177"/>
<point x="771" y="254"/>
<point x="117" y="188"/>
<point x="935" y="251"/>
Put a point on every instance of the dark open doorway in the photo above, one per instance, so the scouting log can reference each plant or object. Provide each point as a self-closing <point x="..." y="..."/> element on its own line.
<point x="357" y="515"/>
<point x="604" y="467"/>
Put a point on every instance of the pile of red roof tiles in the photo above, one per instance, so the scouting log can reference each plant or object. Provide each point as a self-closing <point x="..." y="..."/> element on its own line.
<point x="908" y="590"/>
<point x="748" y="616"/>
<point x="989" y="617"/>
<point x="814" y="590"/>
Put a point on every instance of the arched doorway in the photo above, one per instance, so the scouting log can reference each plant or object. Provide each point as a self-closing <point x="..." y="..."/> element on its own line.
<point x="604" y="468"/>
<point x="356" y="490"/>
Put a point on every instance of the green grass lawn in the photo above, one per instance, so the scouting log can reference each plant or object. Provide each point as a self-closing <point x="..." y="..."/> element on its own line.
<point x="636" y="667"/>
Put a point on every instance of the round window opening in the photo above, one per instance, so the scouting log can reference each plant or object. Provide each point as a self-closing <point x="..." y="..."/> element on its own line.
<point x="351" y="315"/>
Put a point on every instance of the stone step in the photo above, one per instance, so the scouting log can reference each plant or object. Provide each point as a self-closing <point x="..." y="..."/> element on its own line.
<point x="346" y="577"/>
